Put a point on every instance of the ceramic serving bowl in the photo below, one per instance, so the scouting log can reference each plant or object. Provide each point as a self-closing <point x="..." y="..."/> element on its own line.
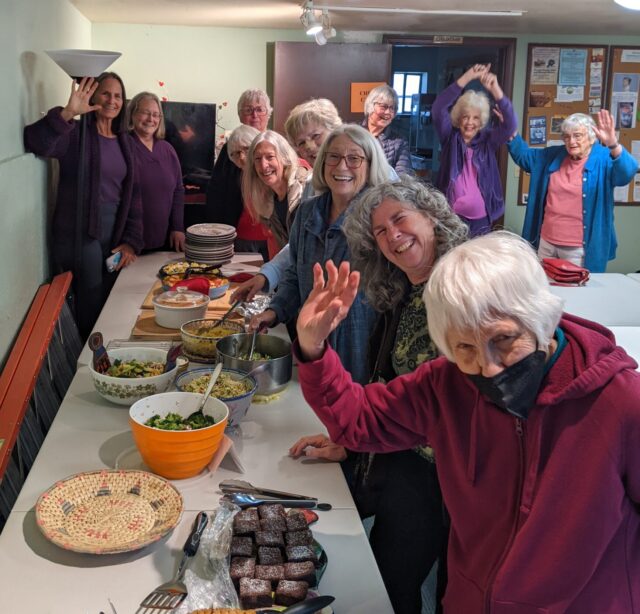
<point x="199" y="337"/>
<point x="276" y="375"/>
<point x="238" y="405"/>
<point x="176" y="454"/>
<point x="124" y="390"/>
<point x="175" y="307"/>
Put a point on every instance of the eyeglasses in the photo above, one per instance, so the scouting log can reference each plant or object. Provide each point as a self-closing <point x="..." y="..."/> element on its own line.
<point x="352" y="161"/>
<point x="153" y="114"/>
<point x="383" y="108"/>
<point x="578" y="137"/>
<point x="251" y="110"/>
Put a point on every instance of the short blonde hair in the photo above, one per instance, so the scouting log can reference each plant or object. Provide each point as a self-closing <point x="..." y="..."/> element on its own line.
<point x="470" y="100"/>
<point x="317" y="110"/>
<point x="132" y="107"/>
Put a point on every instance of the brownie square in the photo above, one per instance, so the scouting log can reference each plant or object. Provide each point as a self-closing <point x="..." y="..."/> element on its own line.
<point x="299" y="538"/>
<point x="242" y="567"/>
<point x="273" y="573"/>
<point x="304" y="572"/>
<point x="296" y="521"/>
<point x="290" y="592"/>
<point x="241" y="546"/>
<point x="275" y="523"/>
<point x="255" y="593"/>
<point x="298" y="554"/>
<point x="269" y="538"/>
<point x="271" y="510"/>
<point x="270" y="556"/>
<point x="246" y="522"/>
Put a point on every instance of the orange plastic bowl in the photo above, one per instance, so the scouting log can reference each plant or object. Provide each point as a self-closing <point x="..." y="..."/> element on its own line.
<point x="176" y="454"/>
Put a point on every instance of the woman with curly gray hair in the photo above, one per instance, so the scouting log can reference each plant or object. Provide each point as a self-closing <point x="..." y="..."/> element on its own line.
<point x="396" y="232"/>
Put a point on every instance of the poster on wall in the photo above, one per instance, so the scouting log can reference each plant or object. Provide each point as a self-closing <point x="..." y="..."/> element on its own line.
<point x="544" y="65"/>
<point x="573" y="67"/>
<point x="569" y="93"/>
<point x="538" y="130"/>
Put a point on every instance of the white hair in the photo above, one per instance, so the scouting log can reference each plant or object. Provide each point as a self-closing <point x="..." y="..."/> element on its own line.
<point x="488" y="278"/>
<point x="579" y="120"/>
<point x="242" y="136"/>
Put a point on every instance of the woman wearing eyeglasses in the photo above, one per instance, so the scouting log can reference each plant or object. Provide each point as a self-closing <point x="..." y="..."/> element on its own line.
<point x="570" y="203"/>
<point x="224" y="197"/>
<point x="158" y="173"/>
<point x="469" y="175"/>
<point x="380" y="108"/>
<point x="349" y="160"/>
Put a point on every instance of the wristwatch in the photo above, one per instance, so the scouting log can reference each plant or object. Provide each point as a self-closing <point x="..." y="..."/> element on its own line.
<point x="614" y="145"/>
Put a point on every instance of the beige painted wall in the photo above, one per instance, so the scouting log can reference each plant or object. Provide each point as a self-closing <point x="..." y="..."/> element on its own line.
<point x="31" y="82"/>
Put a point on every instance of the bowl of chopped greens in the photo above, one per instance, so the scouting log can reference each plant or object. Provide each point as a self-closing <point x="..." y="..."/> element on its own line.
<point x="236" y="394"/>
<point x="135" y="372"/>
<point x="174" y="440"/>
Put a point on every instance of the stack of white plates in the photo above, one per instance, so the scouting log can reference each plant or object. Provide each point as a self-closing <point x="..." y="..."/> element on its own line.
<point x="209" y="243"/>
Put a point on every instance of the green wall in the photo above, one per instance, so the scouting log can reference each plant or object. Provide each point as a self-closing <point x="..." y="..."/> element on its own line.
<point x="31" y="82"/>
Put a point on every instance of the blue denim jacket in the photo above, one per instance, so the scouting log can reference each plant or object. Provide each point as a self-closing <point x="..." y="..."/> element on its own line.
<point x="312" y="240"/>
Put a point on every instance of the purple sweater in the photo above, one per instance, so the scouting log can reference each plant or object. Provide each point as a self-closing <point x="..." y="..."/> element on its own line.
<point x="485" y="146"/>
<point x="53" y="137"/>
<point x="544" y="512"/>
<point x="159" y="175"/>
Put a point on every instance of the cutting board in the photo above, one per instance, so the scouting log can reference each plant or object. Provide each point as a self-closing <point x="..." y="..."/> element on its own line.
<point x="147" y="329"/>
<point x="215" y="305"/>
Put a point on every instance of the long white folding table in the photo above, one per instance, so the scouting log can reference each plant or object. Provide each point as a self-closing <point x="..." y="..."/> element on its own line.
<point x="612" y="299"/>
<point x="90" y="433"/>
<point x="634" y="276"/>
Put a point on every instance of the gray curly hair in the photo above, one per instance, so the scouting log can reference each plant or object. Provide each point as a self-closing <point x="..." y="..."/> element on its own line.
<point x="577" y="121"/>
<point x="384" y="94"/>
<point x="471" y="100"/>
<point x="383" y="283"/>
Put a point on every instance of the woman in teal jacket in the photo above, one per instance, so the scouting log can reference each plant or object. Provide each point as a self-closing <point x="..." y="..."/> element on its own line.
<point x="571" y="190"/>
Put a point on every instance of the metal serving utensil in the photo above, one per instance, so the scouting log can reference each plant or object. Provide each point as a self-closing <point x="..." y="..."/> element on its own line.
<point x="248" y="500"/>
<point x="101" y="362"/>
<point x="231" y="486"/>
<point x="226" y="314"/>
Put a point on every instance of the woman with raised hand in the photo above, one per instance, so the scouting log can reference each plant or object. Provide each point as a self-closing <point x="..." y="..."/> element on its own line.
<point x="112" y="209"/>
<point x="469" y="175"/>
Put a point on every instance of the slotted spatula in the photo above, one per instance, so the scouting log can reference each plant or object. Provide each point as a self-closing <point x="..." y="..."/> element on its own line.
<point x="171" y="594"/>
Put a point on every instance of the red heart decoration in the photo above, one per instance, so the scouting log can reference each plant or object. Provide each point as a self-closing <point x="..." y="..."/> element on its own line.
<point x="161" y="83"/>
<point x="164" y="99"/>
<point x="224" y="104"/>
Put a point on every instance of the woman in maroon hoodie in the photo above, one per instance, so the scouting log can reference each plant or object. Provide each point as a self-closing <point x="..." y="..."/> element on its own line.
<point x="533" y="415"/>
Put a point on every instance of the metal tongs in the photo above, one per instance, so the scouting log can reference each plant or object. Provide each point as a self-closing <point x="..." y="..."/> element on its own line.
<point x="226" y="314"/>
<point x="229" y="487"/>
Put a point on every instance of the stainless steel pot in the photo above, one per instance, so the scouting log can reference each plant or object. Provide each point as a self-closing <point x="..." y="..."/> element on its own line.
<point x="278" y="372"/>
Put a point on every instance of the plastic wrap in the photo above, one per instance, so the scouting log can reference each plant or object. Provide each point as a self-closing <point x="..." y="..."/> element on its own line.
<point x="208" y="580"/>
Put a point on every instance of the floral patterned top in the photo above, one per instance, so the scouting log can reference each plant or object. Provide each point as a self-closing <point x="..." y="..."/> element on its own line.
<point x="413" y="345"/>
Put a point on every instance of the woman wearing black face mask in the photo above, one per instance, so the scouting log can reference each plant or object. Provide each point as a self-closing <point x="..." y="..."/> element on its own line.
<point x="534" y="417"/>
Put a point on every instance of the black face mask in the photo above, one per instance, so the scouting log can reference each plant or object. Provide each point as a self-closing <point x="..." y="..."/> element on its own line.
<point x="515" y="389"/>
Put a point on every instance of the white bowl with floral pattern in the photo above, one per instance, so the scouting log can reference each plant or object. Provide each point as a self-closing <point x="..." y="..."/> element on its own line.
<point x="126" y="390"/>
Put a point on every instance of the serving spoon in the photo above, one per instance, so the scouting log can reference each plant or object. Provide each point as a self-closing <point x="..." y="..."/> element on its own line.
<point x="207" y="392"/>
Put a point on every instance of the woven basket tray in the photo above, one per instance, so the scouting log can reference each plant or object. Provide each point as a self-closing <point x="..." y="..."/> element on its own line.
<point x="104" y="512"/>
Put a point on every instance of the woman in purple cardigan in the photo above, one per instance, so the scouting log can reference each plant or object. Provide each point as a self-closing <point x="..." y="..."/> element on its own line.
<point x="112" y="211"/>
<point x="158" y="173"/>
<point x="469" y="175"/>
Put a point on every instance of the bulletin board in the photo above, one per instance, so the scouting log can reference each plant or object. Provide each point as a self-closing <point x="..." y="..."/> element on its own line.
<point x="623" y="85"/>
<point x="561" y="80"/>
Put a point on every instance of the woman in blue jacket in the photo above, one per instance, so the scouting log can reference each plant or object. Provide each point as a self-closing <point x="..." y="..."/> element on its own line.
<point x="570" y="203"/>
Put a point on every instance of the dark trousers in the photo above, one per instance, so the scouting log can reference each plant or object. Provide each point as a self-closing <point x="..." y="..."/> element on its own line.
<point x="410" y="531"/>
<point x="92" y="284"/>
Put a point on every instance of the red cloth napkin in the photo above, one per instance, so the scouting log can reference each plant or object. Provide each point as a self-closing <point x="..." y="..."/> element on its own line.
<point x="196" y="284"/>
<point x="238" y="278"/>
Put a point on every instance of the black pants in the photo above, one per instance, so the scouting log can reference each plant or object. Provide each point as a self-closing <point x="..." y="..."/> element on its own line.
<point x="410" y="531"/>
<point x="92" y="284"/>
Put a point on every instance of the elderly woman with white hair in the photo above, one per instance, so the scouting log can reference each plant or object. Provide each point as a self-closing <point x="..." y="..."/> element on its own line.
<point x="380" y="108"/>
<point x="469" y="174"/>
<point x="534" y="416"/>
<point x="570" y="203"/>
<point x="224" y="192"/>
<point x="349" y="160"/>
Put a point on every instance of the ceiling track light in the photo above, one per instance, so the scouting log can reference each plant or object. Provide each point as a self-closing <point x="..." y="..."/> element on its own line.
<point x="634" y="5"/>
<point x="327" y="31"/>
<point x="366" y="9"/>
<point x="308" y="18"/>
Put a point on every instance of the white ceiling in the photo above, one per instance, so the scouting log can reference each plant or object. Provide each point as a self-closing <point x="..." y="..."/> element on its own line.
<point x="542" y="16"/>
